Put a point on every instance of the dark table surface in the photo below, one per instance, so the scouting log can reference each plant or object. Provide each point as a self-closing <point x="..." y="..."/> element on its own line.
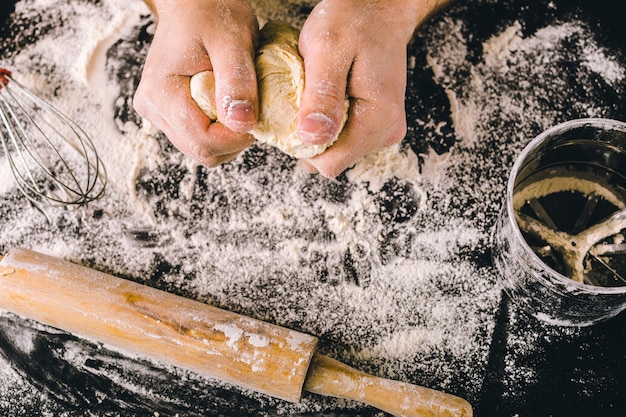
<point x="561" y="60"/>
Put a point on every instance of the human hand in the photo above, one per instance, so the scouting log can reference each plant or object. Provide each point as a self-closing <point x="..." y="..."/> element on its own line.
<point x="194" y="36"/>
<point x="359" y="49"/>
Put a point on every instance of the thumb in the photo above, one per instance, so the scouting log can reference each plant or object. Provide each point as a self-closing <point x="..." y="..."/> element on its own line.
<point x="323" y="99"/>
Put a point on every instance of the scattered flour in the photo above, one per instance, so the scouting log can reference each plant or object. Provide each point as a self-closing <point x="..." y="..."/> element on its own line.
<point x="387" y="265"/>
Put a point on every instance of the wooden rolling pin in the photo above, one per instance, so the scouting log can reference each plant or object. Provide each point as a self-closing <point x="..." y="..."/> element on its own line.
<point x="216" y="343"/>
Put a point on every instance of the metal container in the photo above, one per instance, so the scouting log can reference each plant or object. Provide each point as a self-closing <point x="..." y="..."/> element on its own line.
<point x="560" y="242"/>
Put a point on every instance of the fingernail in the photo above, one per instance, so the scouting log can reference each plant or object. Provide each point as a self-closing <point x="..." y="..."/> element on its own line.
<point x="240" y="112"/>
<point x="317" y="128"/>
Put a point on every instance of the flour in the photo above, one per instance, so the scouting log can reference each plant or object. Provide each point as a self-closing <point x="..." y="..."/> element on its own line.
<point x="604" y="65"/>
<point x="498" y="49"/>
<point x="388" y="264"/>
<point x="378" y="168"/>
<point x="557" y="184"/>
<point x="88" y="97"/>
<point x="5" y="172"/>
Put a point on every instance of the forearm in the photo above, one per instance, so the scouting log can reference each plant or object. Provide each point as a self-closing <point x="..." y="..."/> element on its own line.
<point x="150" y="4"/>
<point x="422" y="10"/>
<point x="158" y="6"/>
<point x="433" y="6"/>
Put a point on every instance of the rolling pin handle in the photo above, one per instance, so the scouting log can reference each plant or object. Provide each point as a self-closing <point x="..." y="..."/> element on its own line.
<point x="330" y="377"/>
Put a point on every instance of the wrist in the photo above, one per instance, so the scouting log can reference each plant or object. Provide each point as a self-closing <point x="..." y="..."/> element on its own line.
<point x="425" y="9"/>
<point x="159" y="6"/>
<point x="150" y="4"/>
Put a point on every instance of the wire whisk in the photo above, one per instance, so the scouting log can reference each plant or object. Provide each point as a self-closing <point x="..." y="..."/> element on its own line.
<point x="51" y="158"/>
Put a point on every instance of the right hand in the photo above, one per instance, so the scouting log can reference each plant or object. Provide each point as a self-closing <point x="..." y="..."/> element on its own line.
<point x="193" y="36"/>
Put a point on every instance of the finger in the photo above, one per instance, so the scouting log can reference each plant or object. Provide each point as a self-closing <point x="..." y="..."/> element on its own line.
<point x="215" y="161"/>
<point x="235" y="81"/>
<point x="171" y="108"/>
<point x="306" y="166"/>
<point x="377" y="115"/>
<point x="360" y="137"/>
<point x="326" y="73"/>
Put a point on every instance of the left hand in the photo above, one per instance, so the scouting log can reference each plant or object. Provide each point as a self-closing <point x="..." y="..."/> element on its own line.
<point x="358" y="48"/>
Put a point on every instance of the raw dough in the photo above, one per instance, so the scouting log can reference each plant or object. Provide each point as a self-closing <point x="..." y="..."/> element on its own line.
<point x="280" y="74"/>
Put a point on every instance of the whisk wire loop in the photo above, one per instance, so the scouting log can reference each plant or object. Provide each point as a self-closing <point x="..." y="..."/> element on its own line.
<point x="51" y="157"/>
<point x="21" y="144"/>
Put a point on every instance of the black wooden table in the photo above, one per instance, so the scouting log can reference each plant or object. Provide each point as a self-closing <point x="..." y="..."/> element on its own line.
<point x="257" y="237"/>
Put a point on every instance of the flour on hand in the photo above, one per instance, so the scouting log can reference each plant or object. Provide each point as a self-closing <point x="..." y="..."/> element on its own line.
<point x="280" y="75"/>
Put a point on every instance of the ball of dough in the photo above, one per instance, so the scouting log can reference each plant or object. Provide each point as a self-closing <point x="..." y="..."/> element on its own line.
<point x="202" y="86"/>
<point x="280" y="75"/>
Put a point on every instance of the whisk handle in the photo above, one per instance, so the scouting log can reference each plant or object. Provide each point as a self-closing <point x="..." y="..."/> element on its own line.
<point x="5" y="77"/>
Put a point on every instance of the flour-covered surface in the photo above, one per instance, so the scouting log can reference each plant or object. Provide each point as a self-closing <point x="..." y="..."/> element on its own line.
<point x="389" y="264"/>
